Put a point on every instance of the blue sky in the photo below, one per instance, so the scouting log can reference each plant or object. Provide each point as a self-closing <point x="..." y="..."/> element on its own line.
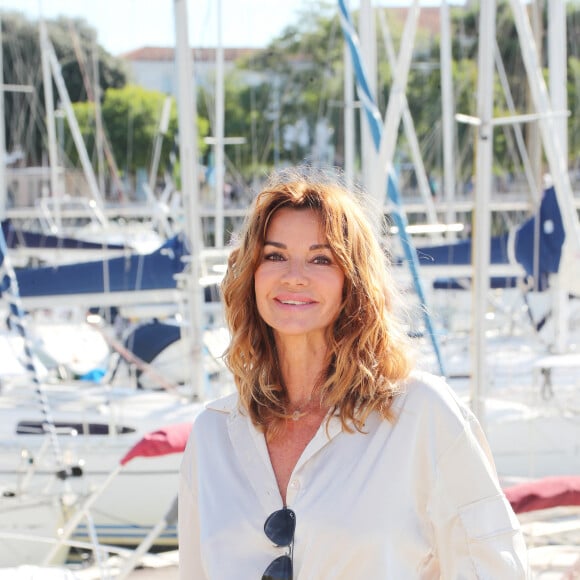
<point x="123" y="25"/>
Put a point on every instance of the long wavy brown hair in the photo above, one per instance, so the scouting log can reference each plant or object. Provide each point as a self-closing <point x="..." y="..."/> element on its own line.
<point x="368" y="350"/>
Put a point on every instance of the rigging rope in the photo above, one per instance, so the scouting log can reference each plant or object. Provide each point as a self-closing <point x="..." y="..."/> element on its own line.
<point x="375" y="122"/>
<point x="17" y="321"/>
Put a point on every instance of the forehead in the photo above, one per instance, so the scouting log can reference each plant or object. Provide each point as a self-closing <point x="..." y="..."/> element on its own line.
<point x="289" y="220"/>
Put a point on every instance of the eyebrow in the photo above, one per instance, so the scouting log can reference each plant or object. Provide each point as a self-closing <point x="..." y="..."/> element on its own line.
<point x="284" y="247"/>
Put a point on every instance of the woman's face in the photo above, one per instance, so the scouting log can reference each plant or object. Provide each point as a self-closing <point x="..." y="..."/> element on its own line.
<point x="298" y="283"/>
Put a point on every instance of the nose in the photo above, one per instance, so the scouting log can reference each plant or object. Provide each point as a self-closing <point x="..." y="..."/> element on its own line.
<point x="295" y="273"/>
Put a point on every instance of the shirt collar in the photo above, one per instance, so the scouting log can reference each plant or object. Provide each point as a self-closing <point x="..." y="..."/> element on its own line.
<point x="228" y="404"/>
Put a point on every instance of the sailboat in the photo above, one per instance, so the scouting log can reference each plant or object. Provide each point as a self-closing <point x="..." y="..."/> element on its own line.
<point x="528" y="403"/>
<point x="63" y="440"/>
<point x="527" y="439"/>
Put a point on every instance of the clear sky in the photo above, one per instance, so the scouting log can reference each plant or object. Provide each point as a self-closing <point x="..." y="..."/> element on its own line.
<point x="124" y="25"/>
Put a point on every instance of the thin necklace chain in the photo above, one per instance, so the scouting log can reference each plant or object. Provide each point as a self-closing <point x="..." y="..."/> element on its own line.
<point x="303" y="410"/>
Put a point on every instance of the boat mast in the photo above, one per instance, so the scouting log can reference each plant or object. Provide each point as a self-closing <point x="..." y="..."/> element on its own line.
<point x="99" y="132"/>
<point x="219" y="134"/>
<point x="349" y="131"/>
<point x="368" y="52"/>
<point x="54" y="66"/>
<point x="448" y="119"/>
<point x="50" y="122"/>
<point x="557" y="65"/>
<point x="188" y="158"/>
<point x="557" y="60"/>
<point x="481" y="213"/>
<point x="397" y="100"/>
<point x="402" y="109"/>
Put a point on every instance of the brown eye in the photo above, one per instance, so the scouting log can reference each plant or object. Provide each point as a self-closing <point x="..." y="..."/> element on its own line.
<point x="274" y="257"/>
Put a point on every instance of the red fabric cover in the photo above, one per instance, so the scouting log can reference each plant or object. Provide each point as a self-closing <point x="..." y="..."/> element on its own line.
<point x="169" y="439"/>
<point x="544" y="493"/>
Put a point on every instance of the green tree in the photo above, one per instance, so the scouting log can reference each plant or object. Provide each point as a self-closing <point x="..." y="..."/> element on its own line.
<point x="74" y="45"/>
<point x="302" y="85"/>
<point x="131" y="117"/>
<point x="302" y="71"/>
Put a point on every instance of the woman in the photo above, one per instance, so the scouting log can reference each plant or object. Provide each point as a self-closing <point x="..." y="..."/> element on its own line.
<point x="335" y="459"/>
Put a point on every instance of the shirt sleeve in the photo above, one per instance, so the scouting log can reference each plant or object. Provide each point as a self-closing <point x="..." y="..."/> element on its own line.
<point x="190" y="563"/>
<point x="476" y="531"/>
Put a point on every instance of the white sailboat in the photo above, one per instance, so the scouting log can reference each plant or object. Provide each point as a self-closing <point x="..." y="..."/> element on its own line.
<point x="60" y="452"/>
<point x="529" y="437"/>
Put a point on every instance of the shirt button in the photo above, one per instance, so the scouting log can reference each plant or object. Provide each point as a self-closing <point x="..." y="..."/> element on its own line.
<point x="294" y="484"/>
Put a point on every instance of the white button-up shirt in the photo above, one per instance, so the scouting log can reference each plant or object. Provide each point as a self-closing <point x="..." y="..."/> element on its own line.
<point x="417" y="498"/>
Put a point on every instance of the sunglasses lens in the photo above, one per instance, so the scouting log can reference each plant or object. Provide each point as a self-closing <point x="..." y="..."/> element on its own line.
<point x="279" y="569"/>
<point x="280" y="526"/>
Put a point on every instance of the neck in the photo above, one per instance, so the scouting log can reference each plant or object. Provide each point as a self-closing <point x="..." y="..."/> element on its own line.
<point x="303" y="362"/>
<point x="302" y="370"/>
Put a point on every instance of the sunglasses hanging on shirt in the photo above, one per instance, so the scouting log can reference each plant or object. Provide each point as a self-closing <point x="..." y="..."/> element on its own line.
<point x="279" y="529"/>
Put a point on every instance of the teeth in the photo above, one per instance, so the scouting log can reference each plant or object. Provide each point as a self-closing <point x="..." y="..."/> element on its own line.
<point x="293" y="302"/>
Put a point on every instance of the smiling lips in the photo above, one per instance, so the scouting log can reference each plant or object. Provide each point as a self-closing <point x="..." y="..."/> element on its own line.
<point x="294" y="302"/>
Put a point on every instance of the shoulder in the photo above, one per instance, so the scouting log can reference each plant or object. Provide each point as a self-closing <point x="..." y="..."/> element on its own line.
<point x="217" y="411"/>
<point x="424" y="390"/>
<point x="428" y="402"/>
<point x="213" y="416"/>
<point x="210" y="424"/>
<point x="227" y="404"/>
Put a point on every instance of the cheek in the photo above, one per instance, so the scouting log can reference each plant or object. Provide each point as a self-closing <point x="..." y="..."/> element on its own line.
<point x="260" y="279"/>
<point x="260" y="289"/>
<point x="339" y="290"/>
